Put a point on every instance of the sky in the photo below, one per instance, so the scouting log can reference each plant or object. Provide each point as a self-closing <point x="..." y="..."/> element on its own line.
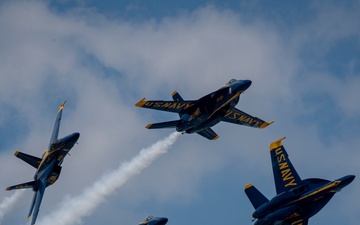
<point x="303" y="59"/>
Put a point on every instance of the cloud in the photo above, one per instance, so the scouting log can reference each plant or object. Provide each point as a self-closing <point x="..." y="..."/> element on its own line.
<point x="103" y="65"/>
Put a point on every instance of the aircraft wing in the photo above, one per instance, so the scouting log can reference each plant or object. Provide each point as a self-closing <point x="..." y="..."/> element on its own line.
<point x="208" y="133"/>
<point x="55" y="132"/>
<point x="239" y="117"/>
<point x="299" y="222"/>
<point x="169" y="106"/>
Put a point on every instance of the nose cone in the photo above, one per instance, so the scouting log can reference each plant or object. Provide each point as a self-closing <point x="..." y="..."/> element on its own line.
<point x="163" y="221"/>
<point x="347" y="179"/>
<point x="74" y="137"/>
<point x="240" y="86"/>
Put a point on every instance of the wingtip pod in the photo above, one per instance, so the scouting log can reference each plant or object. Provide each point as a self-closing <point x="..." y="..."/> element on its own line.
<point x="265" y="124"/>
<point x="276" y="144"/>
<point x="61" y="106"/>
<point x="140" y="103"/>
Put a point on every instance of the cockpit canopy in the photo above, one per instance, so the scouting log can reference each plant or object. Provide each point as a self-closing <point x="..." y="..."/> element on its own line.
<point x="230" y="82"/>
<point x="149" y="218"/>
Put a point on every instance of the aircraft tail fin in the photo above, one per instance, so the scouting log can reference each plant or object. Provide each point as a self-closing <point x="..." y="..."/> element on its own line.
<point x="168" y="124"/>
<point x="31" y="184"/>
<point x="256" y="198"/>
<point x="37" y="202"/>
<point x="55" y="133"/>
<point x="177" y="98"/>
<point x="285" y="175"/>
<point x="32" y="160"/>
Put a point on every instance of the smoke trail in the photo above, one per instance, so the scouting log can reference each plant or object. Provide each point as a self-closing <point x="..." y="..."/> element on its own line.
<point x="74" y="209"/>
<point x="8" y="203"/>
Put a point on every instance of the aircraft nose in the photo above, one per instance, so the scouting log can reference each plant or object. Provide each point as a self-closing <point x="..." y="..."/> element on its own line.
<point x="241" y="85"/>
<point x="163" y="220"/>
<point x="348" y="179"/>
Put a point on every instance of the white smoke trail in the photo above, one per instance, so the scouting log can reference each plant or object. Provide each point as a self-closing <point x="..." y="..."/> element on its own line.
<point x="74" y="209"/>
<point x="8" y="203"/>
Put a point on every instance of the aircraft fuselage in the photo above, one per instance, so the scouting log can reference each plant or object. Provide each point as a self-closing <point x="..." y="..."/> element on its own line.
<point x="208" y="110"/>
<point x="50" y="166"/>
<point x="299" y="202"/>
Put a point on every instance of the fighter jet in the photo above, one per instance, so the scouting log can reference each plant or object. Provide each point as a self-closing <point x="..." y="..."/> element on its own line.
<point x="151" y="220"/>
<point x="296" y="200"/>
<point x="197" y="116"/>
<point x="48" y="167"/>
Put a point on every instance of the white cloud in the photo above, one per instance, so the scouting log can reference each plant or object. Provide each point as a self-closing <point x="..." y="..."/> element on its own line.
<point x="103" y="66"/>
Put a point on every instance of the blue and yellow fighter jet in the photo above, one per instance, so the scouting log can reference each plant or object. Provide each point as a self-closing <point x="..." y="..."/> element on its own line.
<point x="48" y="167"/>
<point x="296" y="200"/>
<point x="151" y="220"/>
<point x="199" y="115"/>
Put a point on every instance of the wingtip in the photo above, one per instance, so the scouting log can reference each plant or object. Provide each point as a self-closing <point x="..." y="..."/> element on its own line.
<point x="61" y="106"/>
<point x="248" y="186"/>
<point x="276" y="143"/>
<point x="8" y="189"/>
<point x="140" y="103"/>
<point x="16" y="153"/>
<point x="29" y="217"/>
<point x="265" y="124"/>
<point x="148" y="126"/>
<point x="174" y="93"/>
<point x="215" y="138"/>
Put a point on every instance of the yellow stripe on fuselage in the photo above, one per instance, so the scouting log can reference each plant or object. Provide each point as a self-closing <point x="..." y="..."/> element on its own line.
<point x="333" y="184"/>
<point x="227" y="102"/>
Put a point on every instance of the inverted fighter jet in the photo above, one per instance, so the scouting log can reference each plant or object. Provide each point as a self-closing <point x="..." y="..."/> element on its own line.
<point x="296" y="200"/>
<point x="199" y="115"/>
<point x="48" y="167"/>
<point x="151" y="220"/>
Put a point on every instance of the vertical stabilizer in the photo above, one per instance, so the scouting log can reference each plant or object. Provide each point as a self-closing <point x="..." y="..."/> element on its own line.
<point x="285" y="175"/>
<point x="177" y="98"/>
<point x="256" y="198"/>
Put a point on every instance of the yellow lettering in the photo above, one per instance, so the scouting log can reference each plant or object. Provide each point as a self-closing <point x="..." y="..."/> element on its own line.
<point x="283" y="165"/>
<point x="166" y="105"/>
<point x="158" y="104"/>
<point x="291" y="183"/>
<point x="149" y="104"/>
<point x="188" y="105"/>
<point x="228" y="113"/>
<point x="242" y="117"/>
<point x="173" y="106"/>
<point x="281" y="158"/>
<point x="235" y="115"/>
<point x="180" y="105"/>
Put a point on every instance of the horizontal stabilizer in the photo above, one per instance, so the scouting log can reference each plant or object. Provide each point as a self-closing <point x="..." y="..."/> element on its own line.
<point x="256" y="198"/>
<point x="209" y="134"/>
<point x="31" y="184"/>
<point x="32" y="160"/>
<point x="168" y="124"/>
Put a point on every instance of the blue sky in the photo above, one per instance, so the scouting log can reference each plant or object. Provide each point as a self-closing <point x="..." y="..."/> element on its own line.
<point x="102" y="57"/>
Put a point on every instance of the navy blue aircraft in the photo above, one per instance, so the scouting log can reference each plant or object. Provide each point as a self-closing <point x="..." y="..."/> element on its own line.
<point x="296" y="200"/>
<point x="48" y="167"/>
<point x="199" y="115"/>
<point x="151" y="220"/>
